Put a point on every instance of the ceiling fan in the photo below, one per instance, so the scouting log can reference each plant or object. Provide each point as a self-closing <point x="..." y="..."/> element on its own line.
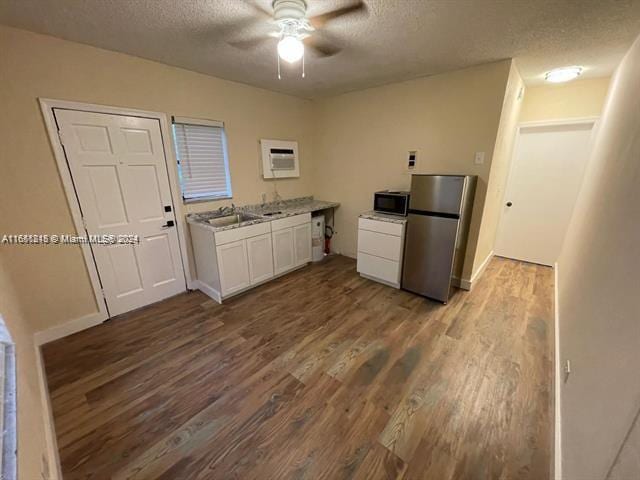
<point x="295" y="31"/>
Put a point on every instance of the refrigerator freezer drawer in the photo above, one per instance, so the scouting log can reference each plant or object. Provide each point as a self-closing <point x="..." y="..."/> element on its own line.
<point x="380" y="245"/>
<point x="380" y="268"/>
<point x="429" y="254"/>
<point x="437" y="193"/>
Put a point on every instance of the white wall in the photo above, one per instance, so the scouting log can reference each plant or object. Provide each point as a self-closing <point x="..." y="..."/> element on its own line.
<point x="599" y="292"/>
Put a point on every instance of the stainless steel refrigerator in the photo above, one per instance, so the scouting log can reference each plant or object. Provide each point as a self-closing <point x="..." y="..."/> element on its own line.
<point x="437" y="229"/>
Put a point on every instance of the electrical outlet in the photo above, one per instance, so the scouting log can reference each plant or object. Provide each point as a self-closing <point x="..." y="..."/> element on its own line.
<point x="478" y="159"/>
<point x="412" y="159"/>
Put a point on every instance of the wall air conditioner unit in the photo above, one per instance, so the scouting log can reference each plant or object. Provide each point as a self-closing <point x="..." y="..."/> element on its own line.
<point x="279" y="159"/>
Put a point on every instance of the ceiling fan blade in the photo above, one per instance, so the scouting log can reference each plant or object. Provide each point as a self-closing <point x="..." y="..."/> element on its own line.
<point x="249" y="43"/>
<point x="321" y="48"/>
<point x="321" y="20"/>
<point x="259" y="10"/>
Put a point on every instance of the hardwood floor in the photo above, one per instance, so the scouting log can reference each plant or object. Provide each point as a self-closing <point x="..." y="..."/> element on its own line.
<point x="319" y="374"/>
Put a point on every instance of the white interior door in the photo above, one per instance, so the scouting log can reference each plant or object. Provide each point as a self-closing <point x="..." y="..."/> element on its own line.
<point x="545" y="178"/>
<point x="120" y="175"/>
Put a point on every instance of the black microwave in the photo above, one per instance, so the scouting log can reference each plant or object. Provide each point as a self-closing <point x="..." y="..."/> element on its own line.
<point x="393" y="202"/>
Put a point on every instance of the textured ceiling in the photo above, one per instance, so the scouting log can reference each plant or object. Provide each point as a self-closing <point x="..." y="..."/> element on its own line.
<point x="396" y="40"/>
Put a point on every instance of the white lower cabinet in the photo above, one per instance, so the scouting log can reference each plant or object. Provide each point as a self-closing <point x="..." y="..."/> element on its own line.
<point x="231" y="261"/>
<point x="260" y="258"/>
<point x="283" y="257"/>
<point x="302" y="244"/>
<point x="233" y="264"/>
<point x="291" y="242"/>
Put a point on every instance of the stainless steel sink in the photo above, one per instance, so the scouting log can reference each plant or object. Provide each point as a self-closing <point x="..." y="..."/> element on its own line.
<point x="233" y="219"/>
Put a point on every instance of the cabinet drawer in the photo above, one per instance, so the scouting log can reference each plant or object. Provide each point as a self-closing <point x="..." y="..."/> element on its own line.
<point x="381" y="268"/>
<point x="382" y="227"/>
<point x="240" y="233"/>
<point x="380" y="244"/>
<point x="288" y="222"/>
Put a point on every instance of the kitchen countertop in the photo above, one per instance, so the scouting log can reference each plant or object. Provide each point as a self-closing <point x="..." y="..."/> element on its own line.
<point x="383" y="217"/>
<point x="286" y="208"/>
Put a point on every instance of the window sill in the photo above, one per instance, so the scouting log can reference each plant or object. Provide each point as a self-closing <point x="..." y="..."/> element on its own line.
<point x="189" y="201"/>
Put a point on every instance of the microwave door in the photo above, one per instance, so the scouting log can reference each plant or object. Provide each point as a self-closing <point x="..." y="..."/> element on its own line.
<point x="385" y="203"/>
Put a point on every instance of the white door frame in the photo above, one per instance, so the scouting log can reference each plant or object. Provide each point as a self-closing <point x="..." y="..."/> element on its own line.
<point x="47" y="105"/>
<point x="516" y="147"/>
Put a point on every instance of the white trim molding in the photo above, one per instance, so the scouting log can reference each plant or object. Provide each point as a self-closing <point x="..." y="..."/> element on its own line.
<point x="557" y="436"/>
<point x="467" y="284"/>
<point x="68" y="328"/>
<point x="53" y="458"/>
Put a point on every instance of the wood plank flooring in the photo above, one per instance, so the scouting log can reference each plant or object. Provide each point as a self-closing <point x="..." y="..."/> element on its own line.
<point x="319" y="374"/>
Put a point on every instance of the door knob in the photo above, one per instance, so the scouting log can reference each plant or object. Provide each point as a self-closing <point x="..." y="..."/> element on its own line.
<point x="509" y="204"/>
<point x="168" y="224"/>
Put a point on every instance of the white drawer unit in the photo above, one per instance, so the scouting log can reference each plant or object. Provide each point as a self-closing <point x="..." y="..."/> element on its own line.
<point x="389" y="228"/>
<point x="378" y="268"/>
<point x="380" y="250"/>
<point x="380" y="245"/>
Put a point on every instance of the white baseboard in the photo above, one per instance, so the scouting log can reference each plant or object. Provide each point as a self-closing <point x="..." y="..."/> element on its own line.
<point x="207" y="290"/>
<point x="467" y="284"/>
<point x="68" y="328"/>
<point x="557" y="440"/>
<point x="53" y="459"/>
<point x="384" y="282"/>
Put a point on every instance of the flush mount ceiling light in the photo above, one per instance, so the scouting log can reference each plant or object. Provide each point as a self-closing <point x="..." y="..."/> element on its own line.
<point x="296" y="32"/>
<point x="564" y="74"/>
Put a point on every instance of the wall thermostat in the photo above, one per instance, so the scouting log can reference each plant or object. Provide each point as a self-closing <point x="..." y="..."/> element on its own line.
<point x="412" y="159"/>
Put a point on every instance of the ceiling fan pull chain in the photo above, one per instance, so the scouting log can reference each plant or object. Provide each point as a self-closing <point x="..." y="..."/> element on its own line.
<point x="303" y="55"/>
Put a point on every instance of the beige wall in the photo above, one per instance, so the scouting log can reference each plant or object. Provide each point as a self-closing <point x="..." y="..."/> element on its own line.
<point x="580" y="98"/>
<point x="599" y="306"/>
<point x="33" y="66"/>
<point x="32" y="460"/>
<point x="499" y="168"/>
<point x="362" y="140"/>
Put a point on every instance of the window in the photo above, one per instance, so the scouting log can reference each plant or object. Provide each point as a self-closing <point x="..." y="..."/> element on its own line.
<point x="203" y="164"/>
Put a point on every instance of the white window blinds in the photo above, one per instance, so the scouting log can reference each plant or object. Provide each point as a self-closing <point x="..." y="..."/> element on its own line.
<point x="203" y="165"/>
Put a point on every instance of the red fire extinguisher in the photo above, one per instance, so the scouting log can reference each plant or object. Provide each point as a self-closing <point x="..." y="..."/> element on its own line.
<point x="328" y="233"/>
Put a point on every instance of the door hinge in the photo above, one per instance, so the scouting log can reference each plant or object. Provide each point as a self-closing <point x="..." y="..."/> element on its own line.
<point x="84" y="223"/>
<point x="61" y="137"/>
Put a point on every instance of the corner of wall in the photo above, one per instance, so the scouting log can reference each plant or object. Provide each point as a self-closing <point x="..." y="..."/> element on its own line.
<point x="499" y="169"/>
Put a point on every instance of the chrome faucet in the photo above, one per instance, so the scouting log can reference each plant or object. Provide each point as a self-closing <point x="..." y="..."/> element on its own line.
<point x="222" y="211"/>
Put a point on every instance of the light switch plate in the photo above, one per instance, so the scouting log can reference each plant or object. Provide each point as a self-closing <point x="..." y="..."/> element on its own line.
<point x="479" y="158"/>
<point x="412" y="159"/>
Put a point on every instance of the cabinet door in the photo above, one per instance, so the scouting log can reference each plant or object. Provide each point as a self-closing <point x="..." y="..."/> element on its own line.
<point x="283" y="256"/>
<point x="302" y="243"/>
<point x="260" y="255"/>
<point x="233" y="267"/>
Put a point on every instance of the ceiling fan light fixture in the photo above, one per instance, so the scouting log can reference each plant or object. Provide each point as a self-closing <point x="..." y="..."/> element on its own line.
<point x="290" y="49"/>
<point x="564" y="74"/>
